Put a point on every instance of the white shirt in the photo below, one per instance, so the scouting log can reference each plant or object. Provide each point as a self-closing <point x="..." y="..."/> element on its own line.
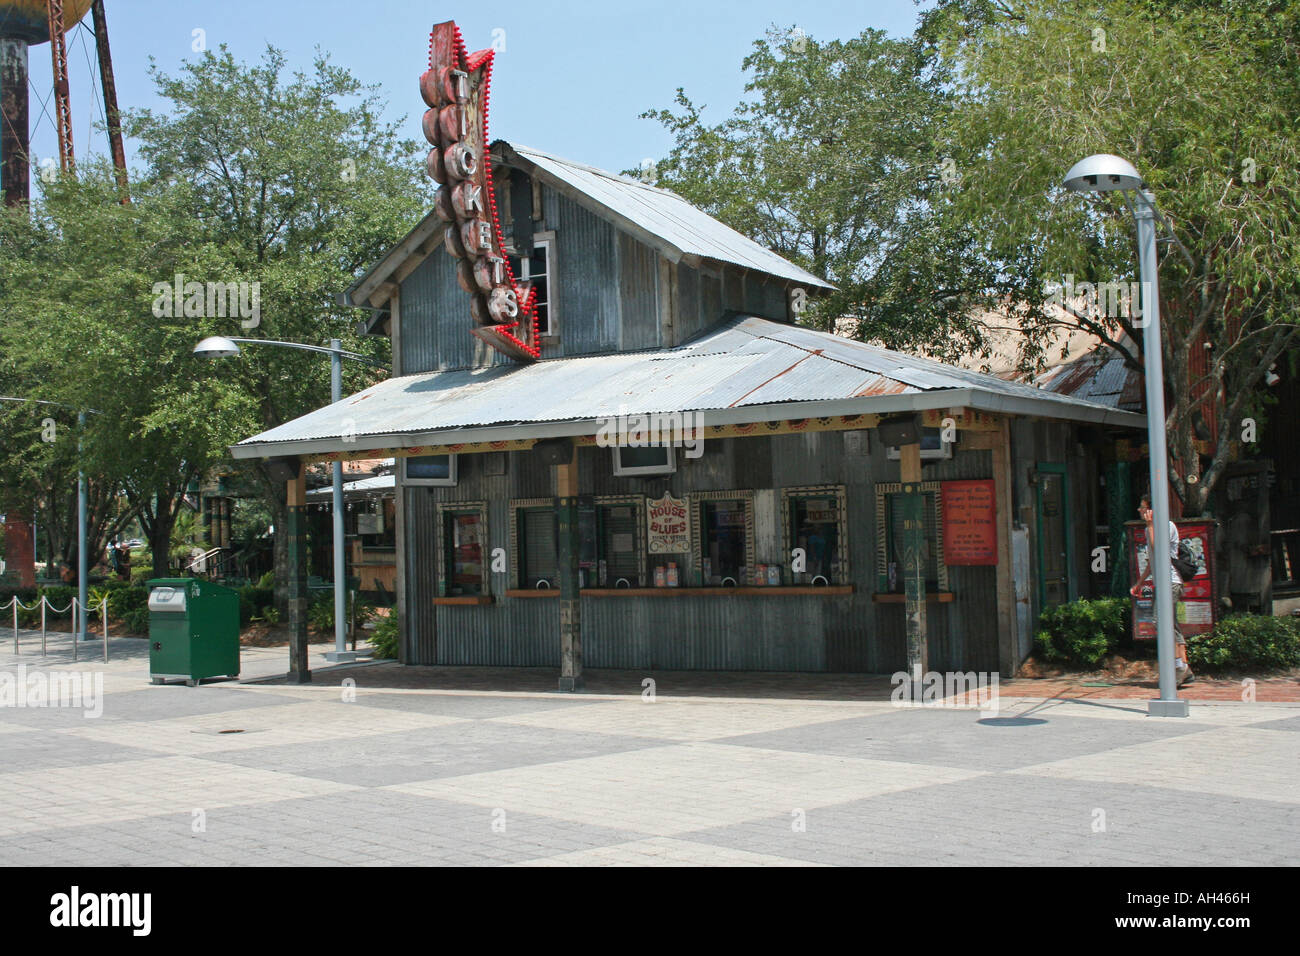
<point x="1174" y="577"/>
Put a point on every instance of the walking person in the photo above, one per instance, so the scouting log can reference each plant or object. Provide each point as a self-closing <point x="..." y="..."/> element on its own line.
<point x="1182" y="670"/>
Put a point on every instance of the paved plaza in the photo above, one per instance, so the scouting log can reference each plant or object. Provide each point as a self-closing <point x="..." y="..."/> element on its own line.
<point x="379" y="764"/>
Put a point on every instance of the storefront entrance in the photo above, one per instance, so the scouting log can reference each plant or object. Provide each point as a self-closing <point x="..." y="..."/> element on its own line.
<point x="1053" y="507"/>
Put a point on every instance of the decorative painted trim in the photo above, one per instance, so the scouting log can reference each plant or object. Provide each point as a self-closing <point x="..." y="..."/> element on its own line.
<point x="883" y="491"/>
<point x="966" y="420"/>
<point x="445" y="507"/>
<point x="697" y="526"/>
<point x="516" y="506"/>
<point x="842" y="523"/>
<point x="637" y="503"/>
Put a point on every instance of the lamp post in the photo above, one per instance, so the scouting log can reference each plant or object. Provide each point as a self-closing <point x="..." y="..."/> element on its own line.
<point x="83" y="560"/>
<point x="1106" y="173"/>
<point x="219" y="346"/>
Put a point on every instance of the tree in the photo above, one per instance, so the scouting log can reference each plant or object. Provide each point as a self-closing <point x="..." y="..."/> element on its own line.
<point x="924" y="178"/>
<point x="1202" y="98"/>
<point x="276" y="191"/>
<point x="300" y="186"/>
<point x="833" y="162"/>
<point x="80" y="329"/>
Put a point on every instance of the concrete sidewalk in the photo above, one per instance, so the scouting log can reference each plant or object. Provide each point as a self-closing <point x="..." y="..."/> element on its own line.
<point x="382" y="764"/>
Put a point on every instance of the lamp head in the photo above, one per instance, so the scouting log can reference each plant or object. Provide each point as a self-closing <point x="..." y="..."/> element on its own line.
<point x="216" y="346"/>
<point x="1103" y="173"/>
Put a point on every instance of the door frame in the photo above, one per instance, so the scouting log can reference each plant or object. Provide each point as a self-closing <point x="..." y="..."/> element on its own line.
<point x="1054" y="468"/>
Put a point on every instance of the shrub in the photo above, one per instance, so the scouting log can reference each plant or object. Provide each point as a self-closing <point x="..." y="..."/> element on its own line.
<point x="320" y="613"/>
<point x="27" y="597"/>
<point x="1247" y="642"/>
<point x="260" y="597"/>
<point x="123" y="600"/>
<point x="271" y="614"/>
<point x="59" y="596"/>
<point x="267" y="580"/>
<point x="384" y="637"/>
<point x="136" y="620"/>
<point x="1083" y="631"/>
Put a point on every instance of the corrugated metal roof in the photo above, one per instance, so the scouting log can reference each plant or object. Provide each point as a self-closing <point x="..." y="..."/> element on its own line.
<point x="378" y="483"/>
<point x="1101" y="377"/>
<point x="667" y="216"/>
<point x="745" y="362"/>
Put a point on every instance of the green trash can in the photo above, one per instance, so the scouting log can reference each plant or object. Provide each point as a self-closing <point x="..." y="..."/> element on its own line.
<point x="193" y="630"/>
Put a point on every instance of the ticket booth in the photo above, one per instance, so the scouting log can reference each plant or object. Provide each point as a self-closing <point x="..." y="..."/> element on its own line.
<point x="1198" y="611"/>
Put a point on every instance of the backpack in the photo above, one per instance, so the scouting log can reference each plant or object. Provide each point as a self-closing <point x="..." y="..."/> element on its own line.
<point x="1184" y="561"/>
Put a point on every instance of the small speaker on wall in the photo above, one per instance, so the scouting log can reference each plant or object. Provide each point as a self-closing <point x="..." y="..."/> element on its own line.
<point x="900" y="430"/>
<point x="283" y="470"/>
<point x="554" y="451"/>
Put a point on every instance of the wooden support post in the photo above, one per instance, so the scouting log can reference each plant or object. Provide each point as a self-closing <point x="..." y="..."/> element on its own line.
<point x="566" y="509"/>
<point x="913" y="505"/>
<point x="1008" y="638"/>
<point x="296" y="532"/>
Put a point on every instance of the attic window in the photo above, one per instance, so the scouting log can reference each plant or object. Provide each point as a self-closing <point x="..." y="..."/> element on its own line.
<point x="536" y="269"/>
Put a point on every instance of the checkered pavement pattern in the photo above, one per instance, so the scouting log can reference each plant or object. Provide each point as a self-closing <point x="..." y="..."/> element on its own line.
<point x="385" y="774"/>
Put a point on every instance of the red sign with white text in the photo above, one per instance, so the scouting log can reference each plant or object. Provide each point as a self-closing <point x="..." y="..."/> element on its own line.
<point x="970" y="530"/>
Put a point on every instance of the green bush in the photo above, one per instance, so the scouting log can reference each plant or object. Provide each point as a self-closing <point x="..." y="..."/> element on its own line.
<point x="125" y="599"/>
<point x="260" y="597"/>
<point x="28" y="597"/>
<point x="271" y="614"/>
<point x="1247" y="642"/>
<point x="136" y="620"/>
<point x="267" y="580"/>
<point x="1083" y="631"/>
<point x="320" y="613"/>
<point x="60" y="596"/>
<point x="384" y="637"/>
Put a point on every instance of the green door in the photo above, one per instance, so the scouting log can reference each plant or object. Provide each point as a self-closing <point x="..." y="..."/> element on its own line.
<point x="1053" y="505"/>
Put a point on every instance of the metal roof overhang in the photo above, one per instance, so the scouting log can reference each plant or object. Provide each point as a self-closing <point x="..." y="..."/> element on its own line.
<point x="975" y="398"/>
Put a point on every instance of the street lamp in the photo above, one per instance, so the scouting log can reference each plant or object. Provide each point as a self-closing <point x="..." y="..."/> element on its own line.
<point x="83" y="562"/>
<point x="220" y="346"/>
<point x="1106" y="173"/>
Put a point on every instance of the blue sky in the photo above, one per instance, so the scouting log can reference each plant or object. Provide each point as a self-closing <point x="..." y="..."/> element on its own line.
<point x="572" y="79"/>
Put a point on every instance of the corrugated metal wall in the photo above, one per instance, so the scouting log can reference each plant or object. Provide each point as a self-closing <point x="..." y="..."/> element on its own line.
<point x="586" y="285"/>
<point x="638" y="270"/>
<point x="436" y="322"/>
<point x="745" y="632"/>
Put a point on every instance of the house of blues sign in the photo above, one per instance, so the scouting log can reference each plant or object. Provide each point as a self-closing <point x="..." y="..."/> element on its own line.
<point x="668" y="525"/>
<point x="455" y="88"/>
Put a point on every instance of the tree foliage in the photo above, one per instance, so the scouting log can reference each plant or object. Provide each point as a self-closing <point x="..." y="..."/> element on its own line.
<point x="252" y="175"/>
<point x="1202" y="98"/>
<point x="833" y="161"/>
<point x="923" y="177"/>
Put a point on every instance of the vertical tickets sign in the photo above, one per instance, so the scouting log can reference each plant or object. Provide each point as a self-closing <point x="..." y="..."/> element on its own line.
<point x="455" y="88"/>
